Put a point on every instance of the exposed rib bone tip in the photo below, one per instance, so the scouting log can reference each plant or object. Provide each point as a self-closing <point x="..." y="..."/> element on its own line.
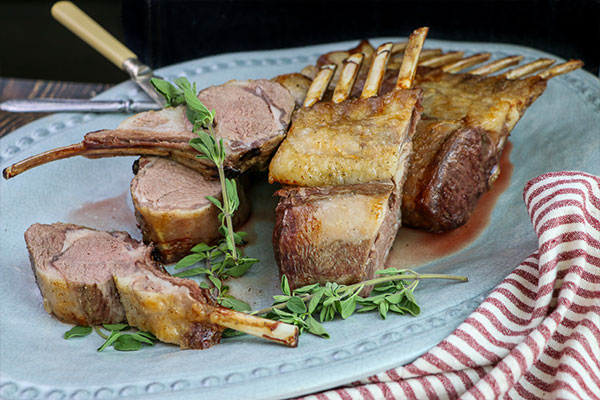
<point x="319" y="84"/>
<point x="496" y="65"/>
<point x="560" y="69"/>
<point x="399" y="47"/>
<point x="348" y="76"/>
<point x="442" y="59"/>
<point x="276" y="331"/>
<point x="466" y="62"/>
<point x="528" y="68"/>
<point x="408" y="69"/>
<point x="377" y="71"/>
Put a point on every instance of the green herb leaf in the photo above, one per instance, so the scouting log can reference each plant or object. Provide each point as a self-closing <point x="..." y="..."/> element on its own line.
<point x="204" y="285"/>
<point x="78" y="331"/>
<point x="201" y="248"/>
<point x="306" y="289"/>
<point x="215" y="281"/>
<point x="197" y="112"/>
<point x="285" y="285"/>
<point x="316" y="328"/>
<point x="149" y="335"/>
<point x="127" y="343"/>
<point x="296" y="305"/>
<point x="314" y="301"/>
<point x="348" y="307"/>
<point x="383" y="309"/>
<point x="233" y="303"/>
<point x="191" y="272"/>
<point x="215" y="201"/>
<point x="141" y="338"/>
<point x="173" y="96"/>
<point x="116" y="327"/>
<point x="190" y="260"/>
<point x="281" y="298"/>
<point x="111" y="339"/>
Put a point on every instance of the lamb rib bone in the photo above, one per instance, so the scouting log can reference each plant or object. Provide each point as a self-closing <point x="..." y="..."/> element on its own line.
<point x="91" y="277"/>
<point x="347" y="77"/>
<point x="527" y="69"/>
<point x="496" y="65"/>
<point x="466" y="62"/>
<point x="442" y="59"/>
<point x="319" y="84"/>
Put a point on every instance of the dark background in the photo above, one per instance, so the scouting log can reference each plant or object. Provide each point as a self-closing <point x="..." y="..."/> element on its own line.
<point x="162" y="32"/>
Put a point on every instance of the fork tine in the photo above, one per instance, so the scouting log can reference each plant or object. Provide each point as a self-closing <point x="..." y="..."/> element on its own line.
<point x="319" y="84"/>
<point x="466" y="62"/>
<point x="497" y="65"/>
<point x="376" y="71"/>
<point x="442" y="59"/>
<point x="528" y="68"/>
<point x="560" y="69"/>
<point x="348" y="75"/>
<point x="408" y="69"/>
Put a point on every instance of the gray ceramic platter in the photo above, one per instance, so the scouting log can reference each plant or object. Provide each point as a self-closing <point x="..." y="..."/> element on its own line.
<point x="561" y="131"/>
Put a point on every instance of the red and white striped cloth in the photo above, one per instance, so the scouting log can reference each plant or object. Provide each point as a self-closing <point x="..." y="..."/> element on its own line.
<point x="537" y="335"/>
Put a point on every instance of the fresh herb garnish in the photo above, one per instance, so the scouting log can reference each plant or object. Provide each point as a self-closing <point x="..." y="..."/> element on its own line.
<point x="391" y="292"/>
<point x="224" y="260"/>
<point x="118" y="337"/>
<point x="78" y="331"/>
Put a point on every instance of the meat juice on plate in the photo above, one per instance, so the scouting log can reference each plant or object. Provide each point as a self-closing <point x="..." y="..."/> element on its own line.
<point x="114" y="213"/>
<point x="414" y="247"/>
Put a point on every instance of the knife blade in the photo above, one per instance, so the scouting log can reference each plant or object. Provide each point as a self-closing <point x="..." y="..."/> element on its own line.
<point x="78" y="22"/>
<point x="77" y="105"/>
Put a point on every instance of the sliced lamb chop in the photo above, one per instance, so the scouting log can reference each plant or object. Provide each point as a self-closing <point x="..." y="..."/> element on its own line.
<point x="466" y="120"/>
<point x="252" y="118"/>
<point x="349" y="156"/>
<point x="75" y="276"/>
<point x="90" y="277"/>
<point x="172" y="210"/>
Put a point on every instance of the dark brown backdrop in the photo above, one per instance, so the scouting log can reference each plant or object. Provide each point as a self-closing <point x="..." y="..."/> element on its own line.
<point x="162" y="32"/>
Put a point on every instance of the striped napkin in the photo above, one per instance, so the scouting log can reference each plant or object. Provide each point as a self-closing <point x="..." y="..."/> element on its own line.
<point x="537" y="335"/>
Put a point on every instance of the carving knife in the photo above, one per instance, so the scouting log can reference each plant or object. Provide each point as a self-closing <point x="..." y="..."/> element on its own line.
<point x="78" y="22"/>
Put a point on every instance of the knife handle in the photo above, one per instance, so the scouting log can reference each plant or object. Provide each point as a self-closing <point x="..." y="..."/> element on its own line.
<point x="78" y="22"/>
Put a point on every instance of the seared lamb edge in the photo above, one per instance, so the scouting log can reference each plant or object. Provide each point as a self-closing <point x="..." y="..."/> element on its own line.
<point x="342" y="233"/>
<point x="90" y="277"/>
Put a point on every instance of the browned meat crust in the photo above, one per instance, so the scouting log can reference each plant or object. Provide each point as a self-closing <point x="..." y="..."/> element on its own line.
<point x="465" y="123"/>
<point x="458" y="143"/>
<point x="88" y="277"/>
<point x="334" y="234"/>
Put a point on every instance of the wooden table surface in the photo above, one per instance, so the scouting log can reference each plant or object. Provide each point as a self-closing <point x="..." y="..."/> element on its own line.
<point x="11" y="88"/>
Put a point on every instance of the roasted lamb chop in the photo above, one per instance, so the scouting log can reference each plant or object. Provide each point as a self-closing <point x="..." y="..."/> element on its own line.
<point x="171" y="206"/>
<point x="252" y="118"/>
<point x="89" y="277"/>
<point x="466" y="120"/>
<point x="347" y="159"/>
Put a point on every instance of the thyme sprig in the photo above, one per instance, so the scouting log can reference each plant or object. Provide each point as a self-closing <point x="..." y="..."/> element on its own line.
<point x="224" y="260"/>
<point x="391" y="292"/>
